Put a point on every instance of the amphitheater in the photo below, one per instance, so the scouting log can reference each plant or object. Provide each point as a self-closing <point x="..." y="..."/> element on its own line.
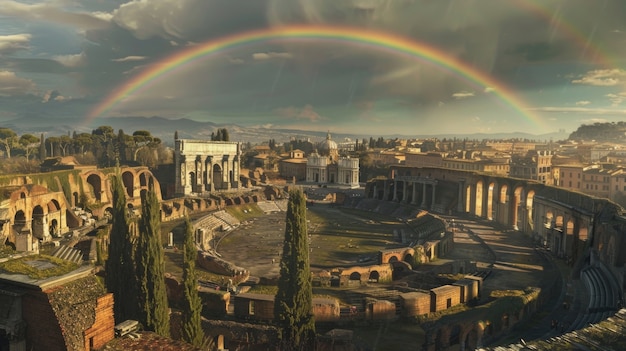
<point x="561" y="250"/>
<point x="578" y="292"/>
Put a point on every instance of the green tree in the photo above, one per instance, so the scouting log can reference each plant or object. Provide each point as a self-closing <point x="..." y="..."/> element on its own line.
<point x="153" y="307"/>
<point x="8" y="139"/>
<point x="120" y="266"/>
<point x="29" y="143"/>
<point x="293" y="307"/>
<point x="192" y="305"/>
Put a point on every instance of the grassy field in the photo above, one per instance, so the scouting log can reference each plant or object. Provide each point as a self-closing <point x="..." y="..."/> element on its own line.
<point x="342" y="236"/>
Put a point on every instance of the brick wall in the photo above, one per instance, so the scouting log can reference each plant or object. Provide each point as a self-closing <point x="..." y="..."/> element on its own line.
<point x="101" y="331"/>
<point x="415" y="303"/>
<point x="444" y="297"/>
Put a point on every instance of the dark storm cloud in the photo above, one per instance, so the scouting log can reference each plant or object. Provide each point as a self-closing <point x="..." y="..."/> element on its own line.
<point x="505" y="39"/>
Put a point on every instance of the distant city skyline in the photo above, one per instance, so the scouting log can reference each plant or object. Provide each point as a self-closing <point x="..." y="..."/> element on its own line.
<point x="354" y="67"/>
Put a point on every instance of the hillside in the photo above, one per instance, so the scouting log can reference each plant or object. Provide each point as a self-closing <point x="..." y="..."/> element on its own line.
<point x="601" y="132"/>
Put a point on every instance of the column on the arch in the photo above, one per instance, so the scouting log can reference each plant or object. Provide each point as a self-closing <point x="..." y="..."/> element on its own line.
<point x="414" y="198"/>
<point x="423" y="205"/>
<point x="226" y="171"/>
<point x="375" y="190"/>
<point x="212" y="180"/>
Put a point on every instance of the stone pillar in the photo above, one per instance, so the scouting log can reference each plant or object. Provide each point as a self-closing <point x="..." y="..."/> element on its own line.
<point x="212" y="189"/>
<point x="375" y="190"/>
<point x="423" y="205"/>
<point x="432" y="204"/>
<point x="226" y="171"/>
<point x="460" y="206"/>
<point x="395" y="190"/>
<point x="414" y="199"/>
<point x="385" y="190"/>
<point x="405" y="199"/>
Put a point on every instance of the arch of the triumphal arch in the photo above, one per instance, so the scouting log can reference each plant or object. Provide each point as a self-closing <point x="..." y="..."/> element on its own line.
<point x="204" y="166"/>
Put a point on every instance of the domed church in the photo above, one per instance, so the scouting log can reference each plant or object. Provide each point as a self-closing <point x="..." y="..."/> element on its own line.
<point x="327" y="167"/>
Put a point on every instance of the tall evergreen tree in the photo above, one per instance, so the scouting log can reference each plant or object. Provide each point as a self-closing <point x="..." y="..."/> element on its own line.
<point x="293" y="307"/>
<point x="192" y="305"/>
<point x="152" y="294"/>
<point x="120" y="266"/>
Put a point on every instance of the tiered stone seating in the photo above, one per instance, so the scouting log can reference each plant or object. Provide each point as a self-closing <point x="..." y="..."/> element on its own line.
<point x="268" y="206"/>
<point x="228" y="220"/>
<point x="602" y="297"/>
<point x="69" y="254"/>
<point x="282" y="204"/>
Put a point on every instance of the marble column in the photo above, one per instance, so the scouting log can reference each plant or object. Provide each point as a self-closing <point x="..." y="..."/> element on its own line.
<point x="423" y="205"/>
<point x="414" y="199"/>
<point x="395" y="190"/>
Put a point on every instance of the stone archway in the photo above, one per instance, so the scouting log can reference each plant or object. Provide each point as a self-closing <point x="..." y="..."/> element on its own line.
<point x="471" y="340"/>
<point x="128" y="180"/>
<point x="218" y="179"/>
<point x="355" y="277"/>
<point x="95" y="182"/>
<point x="408" y="258"/>
<point x="19" y="221"/>
<point x="373" y="277"/>
<point x="143" y="179"/>
<point x="39" y="225"/>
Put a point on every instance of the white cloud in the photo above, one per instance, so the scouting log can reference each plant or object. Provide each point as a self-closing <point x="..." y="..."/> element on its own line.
<point x="129" y="58"/>
<point x="235" y="61"/>
<point x="583" y="103"/>
<point x="51" y="12"/>
<point x="53" y="95"/>
<point x="463" y="95"/>
<point x="616" y="99"/>
<point x="11" y="85"/>
<point x="14" y="42"/>
<point x="271" y="55"/>
<point x="598" y="111"/>
<point x="489" y="90"/>
<point x="75" y="60"/>
<point x="602" y="77"/>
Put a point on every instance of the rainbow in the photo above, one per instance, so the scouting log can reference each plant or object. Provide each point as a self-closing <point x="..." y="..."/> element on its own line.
<point x="345" y="35"/>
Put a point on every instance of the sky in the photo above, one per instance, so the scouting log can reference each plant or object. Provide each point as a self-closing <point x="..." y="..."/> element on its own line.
<point x="462" y="66"/>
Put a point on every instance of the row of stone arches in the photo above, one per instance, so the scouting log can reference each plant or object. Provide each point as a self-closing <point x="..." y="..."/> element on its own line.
<point x="133" y="183"/>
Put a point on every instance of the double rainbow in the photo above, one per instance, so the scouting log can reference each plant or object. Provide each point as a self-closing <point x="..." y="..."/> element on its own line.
<point x="377" y="40"/>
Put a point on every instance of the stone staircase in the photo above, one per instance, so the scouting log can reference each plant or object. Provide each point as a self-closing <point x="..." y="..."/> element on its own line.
<point x="69" y="254"/>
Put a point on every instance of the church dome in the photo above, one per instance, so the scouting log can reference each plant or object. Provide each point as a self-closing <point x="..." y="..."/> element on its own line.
<point x="327" y="145"/>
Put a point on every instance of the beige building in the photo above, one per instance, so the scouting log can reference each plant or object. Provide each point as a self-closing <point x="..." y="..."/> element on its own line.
<point x="424" y="159"/>
<point x="570" y="177"/>
<point x="294" y="166"/>
<point x="493" y="166"/>
<point x="596" y="181"/>
<point x="536" y="165"/>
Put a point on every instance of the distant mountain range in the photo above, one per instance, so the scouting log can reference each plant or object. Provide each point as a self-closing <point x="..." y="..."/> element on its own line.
<point x="164" y="128"/>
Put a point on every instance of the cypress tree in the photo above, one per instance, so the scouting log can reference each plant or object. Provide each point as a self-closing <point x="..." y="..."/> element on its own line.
<point x="120" y="267"/>
<point x="192" y="305"/>
<point x="293" y="307"/>
<point x="153" y="307"/>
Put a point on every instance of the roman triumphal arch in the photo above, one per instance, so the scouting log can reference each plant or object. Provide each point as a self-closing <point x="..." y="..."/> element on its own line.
<point x="204" y="166"/>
